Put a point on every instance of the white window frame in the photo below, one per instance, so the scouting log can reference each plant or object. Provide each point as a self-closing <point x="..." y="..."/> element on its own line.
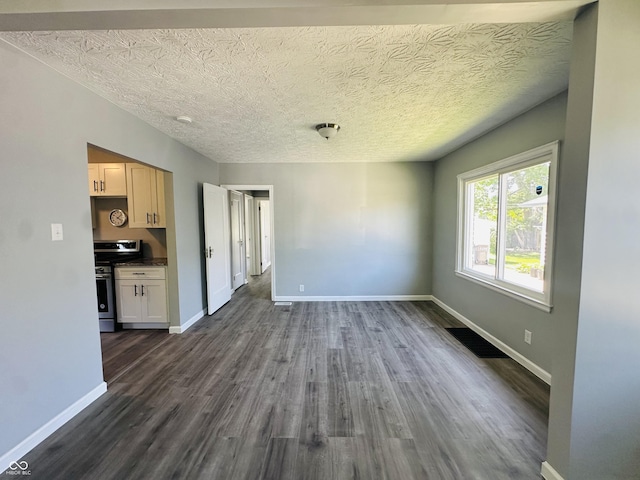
<point x="542" y="154"/>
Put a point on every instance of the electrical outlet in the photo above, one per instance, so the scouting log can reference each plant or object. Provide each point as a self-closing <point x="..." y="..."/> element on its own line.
<point x="527" y="337"/>
<point x="302" y="288"/>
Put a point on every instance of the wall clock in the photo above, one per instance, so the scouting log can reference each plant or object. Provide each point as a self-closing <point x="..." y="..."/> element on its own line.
<point x="117" y="217"/>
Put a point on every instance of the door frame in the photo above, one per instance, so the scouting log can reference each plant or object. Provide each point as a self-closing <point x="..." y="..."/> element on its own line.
<point x="241" y="233"/>
<point x="259" y="204"/>
<point x="270" y="189"/>
<point x="249" y="235"/>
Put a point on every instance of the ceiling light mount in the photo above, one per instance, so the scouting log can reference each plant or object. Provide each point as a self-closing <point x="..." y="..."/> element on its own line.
<point x="184" y="119"/>
<point x="327" y="130"/>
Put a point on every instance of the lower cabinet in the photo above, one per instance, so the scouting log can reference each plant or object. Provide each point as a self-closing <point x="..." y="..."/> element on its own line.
<point x="141" y="294"/>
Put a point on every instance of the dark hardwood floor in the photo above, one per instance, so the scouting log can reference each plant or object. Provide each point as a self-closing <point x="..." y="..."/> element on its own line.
<point x="123" y="350"/>
<point x="336" y="390"/>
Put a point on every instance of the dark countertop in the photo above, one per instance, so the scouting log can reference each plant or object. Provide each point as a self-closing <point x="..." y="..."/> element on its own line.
<point x="143" y="262"/>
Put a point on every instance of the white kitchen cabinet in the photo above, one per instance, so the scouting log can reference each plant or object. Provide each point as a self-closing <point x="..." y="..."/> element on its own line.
<point x="141" y="294"/>
<point x="145" y="197"/>
<point x="107" y="180"/>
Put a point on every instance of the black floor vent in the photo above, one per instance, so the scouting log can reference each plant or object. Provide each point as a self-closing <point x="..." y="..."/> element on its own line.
<point x="474" y="342"/>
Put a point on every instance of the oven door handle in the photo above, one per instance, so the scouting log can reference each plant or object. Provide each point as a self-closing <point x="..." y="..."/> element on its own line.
<point x="106" y="276"/>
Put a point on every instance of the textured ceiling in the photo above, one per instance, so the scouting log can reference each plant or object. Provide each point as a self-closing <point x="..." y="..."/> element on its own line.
<point x="398" y="92"/>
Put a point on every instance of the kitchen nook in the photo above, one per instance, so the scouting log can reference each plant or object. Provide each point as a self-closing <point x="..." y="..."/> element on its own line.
<point x="129" y="223"/>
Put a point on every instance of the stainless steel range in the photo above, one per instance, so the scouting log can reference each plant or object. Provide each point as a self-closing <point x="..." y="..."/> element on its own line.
<point x="106" y="253"/>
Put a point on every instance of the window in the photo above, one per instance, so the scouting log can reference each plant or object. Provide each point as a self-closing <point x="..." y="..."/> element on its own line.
<point x="505" y="225"/>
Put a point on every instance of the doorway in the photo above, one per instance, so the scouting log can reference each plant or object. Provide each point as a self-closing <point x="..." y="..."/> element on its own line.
<point x="113" y="218"/>
<point x="259" y="247"/>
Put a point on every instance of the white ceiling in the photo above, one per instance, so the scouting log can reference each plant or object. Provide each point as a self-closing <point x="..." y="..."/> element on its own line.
<point x="399" y="92"/>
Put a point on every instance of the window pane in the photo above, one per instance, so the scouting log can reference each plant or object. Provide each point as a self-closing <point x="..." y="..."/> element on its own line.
<point x="481" y="243"/>
<point x="526" y="220"/>
<point x="503" y="212"/>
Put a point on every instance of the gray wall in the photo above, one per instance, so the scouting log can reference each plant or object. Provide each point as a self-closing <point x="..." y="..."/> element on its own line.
<point x="570" y="228"/>
<point x="354" y="229"/>
<point x="605" y="419"/>
<point x="502" y="316"/>
<point x="50" y="343"/>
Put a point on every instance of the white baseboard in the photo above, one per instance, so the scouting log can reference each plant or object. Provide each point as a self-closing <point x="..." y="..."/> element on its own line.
<point x="364" y="298"/>
<point x="549" y="473"/>
<point x="182" y="328"/>
<point x="518" y="357"/>
<point x="33" y="440"/>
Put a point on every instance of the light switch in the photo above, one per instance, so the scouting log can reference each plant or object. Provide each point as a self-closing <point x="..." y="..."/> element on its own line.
<point x="56" y="232"/>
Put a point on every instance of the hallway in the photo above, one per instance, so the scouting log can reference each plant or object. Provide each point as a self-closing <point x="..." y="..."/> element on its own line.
<point x="334" y="390"/>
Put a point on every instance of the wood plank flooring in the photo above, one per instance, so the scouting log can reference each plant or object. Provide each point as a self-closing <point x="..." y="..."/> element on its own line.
<point x="123" y="350"/>
<point x="336" y="390"/>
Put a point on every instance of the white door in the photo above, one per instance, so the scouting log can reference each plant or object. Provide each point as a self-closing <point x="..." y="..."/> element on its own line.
<point x="249" y="235"/>
<point x="217" y="246"/>
<point x="265" y="233"/>
<point x="236" y="203"/>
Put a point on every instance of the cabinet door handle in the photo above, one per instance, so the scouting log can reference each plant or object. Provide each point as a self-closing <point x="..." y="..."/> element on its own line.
<point x="142" y="289"/>
<point x="95" y="185"/>
<point x="102" y="185"/>
<point x="154" y="218"/>
<point x="148" y="217"/>
<point x="135" y="290"/>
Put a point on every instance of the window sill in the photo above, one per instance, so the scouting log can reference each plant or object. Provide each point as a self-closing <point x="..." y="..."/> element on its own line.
<point x="534" y="302"/>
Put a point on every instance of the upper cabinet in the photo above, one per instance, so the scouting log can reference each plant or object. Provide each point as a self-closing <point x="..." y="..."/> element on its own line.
<point x="145" y="196"/>
<point x="107" y="174"/>
<point x="107" y="180"/>
<point x="112" y="175"/>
